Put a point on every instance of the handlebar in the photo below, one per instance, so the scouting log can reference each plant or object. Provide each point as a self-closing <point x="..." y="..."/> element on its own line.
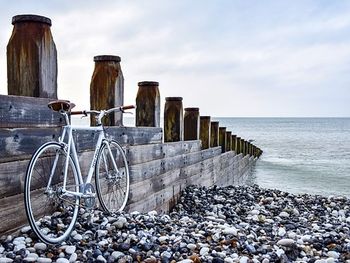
<point x="86" y="112"/>
<point x="102" y="113"/>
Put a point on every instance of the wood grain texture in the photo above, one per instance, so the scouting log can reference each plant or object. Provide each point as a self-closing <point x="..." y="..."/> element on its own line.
<point x="21" y="112"/>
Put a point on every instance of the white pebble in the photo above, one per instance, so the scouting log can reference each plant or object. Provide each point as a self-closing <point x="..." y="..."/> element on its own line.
<point x="73" y="257"/>
<point x="29" y="259"/>
<point x="25" y="229"/>
<point x="62" y="260"/>
<point x="78" y="237"/>
<point x="284" y="214"/>
<point x="40" y="246"/>
<point x="101" y="258"/>
<point x="228" y="260"/>
<point x="204" y="251"/>
<point x="6" y="260"/>
<point x="44" y="260"/>
<point x="2" y="249"/>
<point x="243" y="259"/>
<point x="230" y="231"/>
<point x="330" y="260"/>
<point x="281" y="231"/>
<point x="279" y="252"/>
<point x="70" y="249"/>
<point x="191" y="246"/>
<point x="333" y="254"/>
<point x="162" y="238"/>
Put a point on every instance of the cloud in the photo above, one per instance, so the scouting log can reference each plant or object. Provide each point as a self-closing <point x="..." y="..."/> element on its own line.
<point x="281" y="57"/>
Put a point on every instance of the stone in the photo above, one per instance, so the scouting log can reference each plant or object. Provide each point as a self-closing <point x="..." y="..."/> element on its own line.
<point x="40" y="246"/>
<point x="287" y="242"/>
<point x="117" y="254"/>
<point x="73" y="257"/>
<point x="70" y="249"/>
<point x="44" y="260"/>
<point x="62" y="260"/>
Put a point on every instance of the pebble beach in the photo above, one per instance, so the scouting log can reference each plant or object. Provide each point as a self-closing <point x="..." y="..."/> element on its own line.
<point x="230" y="224"/>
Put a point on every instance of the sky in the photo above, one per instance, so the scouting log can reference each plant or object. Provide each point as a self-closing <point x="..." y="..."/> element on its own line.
<point x="230" y="58"/>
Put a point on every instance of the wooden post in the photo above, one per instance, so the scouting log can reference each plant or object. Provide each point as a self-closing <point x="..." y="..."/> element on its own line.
<point x="238" y="145"/>
<point x="214" y="134"/>
<point x="246" y="147"/>
<point x="173" y="119"/>
<point x="107" y="88"/>
<point x="32" y="58"/>
<point x="222" y="138"/>
<point x="228" y="141"/>
<point x="205" y="131"/>
<point x="233" y="143"/>
<point x="254" y="150"/>
<point x="191" y="124"/>
<point x="148" y="104"/>
<point x="243" y="146"/>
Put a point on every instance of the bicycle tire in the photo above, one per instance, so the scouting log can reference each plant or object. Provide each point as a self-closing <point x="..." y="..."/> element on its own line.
<point x="51" y="215"/>
<point x="112" y="186"/>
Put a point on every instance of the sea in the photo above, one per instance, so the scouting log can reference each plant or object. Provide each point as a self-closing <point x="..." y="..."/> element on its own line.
<point x="300" y="155"/>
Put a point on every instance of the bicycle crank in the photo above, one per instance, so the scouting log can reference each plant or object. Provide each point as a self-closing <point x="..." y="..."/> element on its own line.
<point x="89" y="196"/>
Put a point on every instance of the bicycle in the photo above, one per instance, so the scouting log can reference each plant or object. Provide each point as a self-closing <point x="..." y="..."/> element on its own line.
<point x="54" y="186"/>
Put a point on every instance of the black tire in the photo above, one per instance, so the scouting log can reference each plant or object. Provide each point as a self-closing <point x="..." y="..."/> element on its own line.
<point x="112" y="185"/>
<point x="51" y="215"/>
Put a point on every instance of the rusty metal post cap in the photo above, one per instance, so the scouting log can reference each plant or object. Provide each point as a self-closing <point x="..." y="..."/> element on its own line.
<point x="173" y="98"/>
<point x="102" y="58"/>
<point x="205" y="117"/>
<point x="148" y="83"/>
<point x="191" y="109"/>
<point x="31" y="18"/>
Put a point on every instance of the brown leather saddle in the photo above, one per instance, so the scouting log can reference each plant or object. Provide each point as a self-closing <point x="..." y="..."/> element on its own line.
<point x="59" y="105"/>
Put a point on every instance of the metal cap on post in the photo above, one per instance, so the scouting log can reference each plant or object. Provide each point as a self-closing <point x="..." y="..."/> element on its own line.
<point x="205" y="131"/>
<point x="228" y="141"/>
<point x="191" y="124"/>
<point x="107" y="88"/>
<point x="32" y="58"/>
<point x="148" y="104"/>
<point x="214" y="134"/>
<point x="222" y="138"/>
<point x="173" y="119"/>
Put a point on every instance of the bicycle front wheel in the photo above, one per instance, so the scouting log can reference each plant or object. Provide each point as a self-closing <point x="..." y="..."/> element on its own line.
<point x="112" y="177"/>
<point x="50" y="209"/>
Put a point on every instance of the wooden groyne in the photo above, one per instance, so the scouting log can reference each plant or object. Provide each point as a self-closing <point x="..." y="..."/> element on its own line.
<point x="191" y="149"/>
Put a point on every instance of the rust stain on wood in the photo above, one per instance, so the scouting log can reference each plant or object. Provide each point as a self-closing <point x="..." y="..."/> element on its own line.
<point x="32" y="58"/>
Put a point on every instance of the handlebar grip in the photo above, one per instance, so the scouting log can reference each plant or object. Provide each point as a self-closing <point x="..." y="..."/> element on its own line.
<point x="128" y="107"/>
<point x="80" y="112"/>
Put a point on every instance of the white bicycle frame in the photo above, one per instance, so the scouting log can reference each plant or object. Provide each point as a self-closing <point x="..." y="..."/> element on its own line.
<point x="70" y="149"/>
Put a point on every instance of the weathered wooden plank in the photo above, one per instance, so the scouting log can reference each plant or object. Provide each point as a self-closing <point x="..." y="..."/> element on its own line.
<point x="19" y="111"/>
<point x="12" y="173"/>
<point x="144" y="171"/>
<point x="20" y="143"/>
<point x="159" y="192"/>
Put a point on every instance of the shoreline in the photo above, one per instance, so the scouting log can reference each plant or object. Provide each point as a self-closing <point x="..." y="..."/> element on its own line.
<point x="216" y="224"/>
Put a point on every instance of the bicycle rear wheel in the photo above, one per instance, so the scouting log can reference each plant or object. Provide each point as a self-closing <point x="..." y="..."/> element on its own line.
<point x="51" y="212"/>
<point x="112" y="183"/>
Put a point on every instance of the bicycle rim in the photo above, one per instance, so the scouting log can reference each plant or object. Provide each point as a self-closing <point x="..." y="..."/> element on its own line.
<point x="51" y="213"/>
<point x="112" y="184"/>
